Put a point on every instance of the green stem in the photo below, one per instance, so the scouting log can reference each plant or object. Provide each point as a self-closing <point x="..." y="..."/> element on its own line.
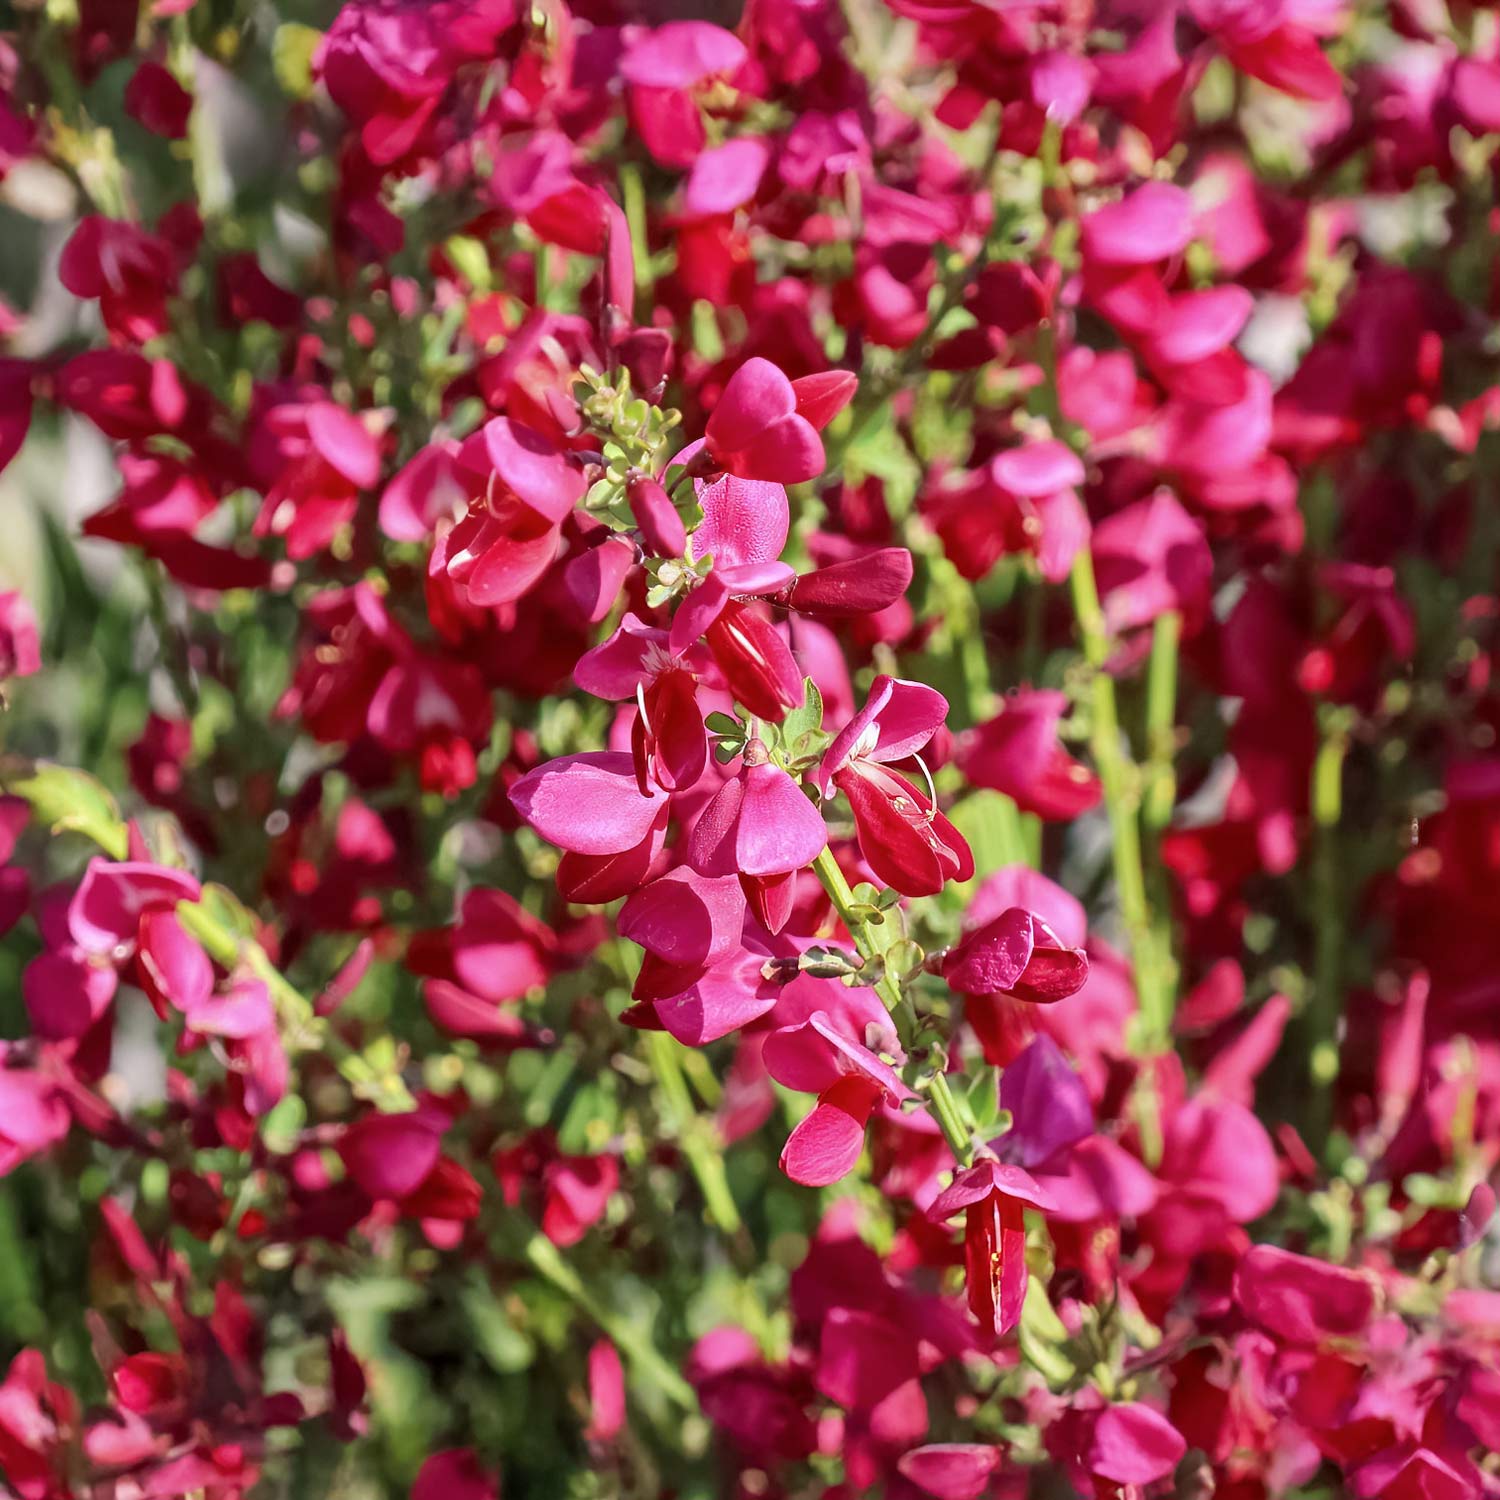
<point x="634" y="194"/>
<point x="702" y="1154"/>
<point x="943" y="1106"/>
<point x="303" y="1030"/>
<point x="1161" y="715"/>
<point x="945" y="1111"/>
<point x="1121" y="800"/>
<point x="1322" y="1015"/>
<point x="654" y="1369"/>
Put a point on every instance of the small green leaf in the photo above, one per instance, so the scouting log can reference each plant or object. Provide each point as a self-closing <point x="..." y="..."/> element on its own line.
<point x="69" y="801"/>
<point x="501" y="1344"/>
<point x="1044" y="1338"/>
<point x="720" y="723"/>
<point x="984" y="1100"/>
<point x="807" y="718"/>
<point x="589" y="1121"/>
<point x="471" y="259"/>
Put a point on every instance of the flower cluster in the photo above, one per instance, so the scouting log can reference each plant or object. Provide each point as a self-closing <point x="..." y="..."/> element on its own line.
<point x="769" y="767"/>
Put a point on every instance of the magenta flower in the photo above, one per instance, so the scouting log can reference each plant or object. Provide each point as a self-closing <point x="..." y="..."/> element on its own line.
<point x="666" y="70"/>
<point x="761" y="827"/>
<point x="1302" y="1300"/>
<point x="815" y="1057"/>
<point x="1126" y="1444"/>
<point x="454" y="1474"/>
<point x="951" y="1471"/>
<point x="758" y="667"/>
<point x="33" y="1116"/>
<point x="1018" y="752"/>
<point x="577" y="1190"/>
<point x="668" y="741"/>
<point x="589" y="803"/>
<point x="156" y="99"/>
<point x="699" y="1004"/>
<point x="425" y="490"/>
<point x="1152" y="223"/>
<point x="20" y="647"/>
<point x="760" y="823"/>
<point x="685" y="919"/>
<point x="511" y="534"/>
<point x="1151" y="557"/>
<point x="904" y="839"/>
<point x="390" y="1156"/>
<point x="659" y="520"/>
<point x="864" y="583"/>
<point x="726" y="177"/>
<point x="129" y="272"/>
<point x="994" y="1198"/>
<point x="606" y="1392"/>
<point x="766" y="426"/>
<point x="333" y="457"/>
<point x="1023" y="502"/>
<point x="681" y="55"/>
<point x="1018" y="954"/>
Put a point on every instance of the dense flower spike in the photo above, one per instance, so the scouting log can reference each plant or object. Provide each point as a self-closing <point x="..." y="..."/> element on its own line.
<point x="644" y="661"/>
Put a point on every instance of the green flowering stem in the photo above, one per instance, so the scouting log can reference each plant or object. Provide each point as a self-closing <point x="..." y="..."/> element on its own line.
<point x="945" y="1111"/>
<point x="546" y="1260"/>
<point x="303" y="1030"/>
<point x="703" y="1153"/>
<point x="634" y="195"/>
<point x="1149" y="962"/>
<point x="1320" y="1020"/>
<point x="944" y="1107"/>
<point x="1161" y="713"/>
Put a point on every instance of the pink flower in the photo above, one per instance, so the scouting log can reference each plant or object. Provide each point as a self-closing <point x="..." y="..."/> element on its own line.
<point x="1024" y="501"/>
<point x="906" y="841"/>
<point x="606" y="1392"/>
<point x="1302" y="1300"/>
<point x="20" y="648"/>
<point x="1017" y="752"/>
<point x="951" y="1471"/>
<point x="333" y="457"/>
<point x="756" y="661"/>
<point x="1152" y="557"/>
<point x="33" y="1118"/>
<point x="1152" y="223"/>
<point x="454" y="1474"/>
<point x="686" y="919"/>
<point x="760" y="823"/>
<point x="589" y="803"/>
<point x="510" y="536"/>
<point x="577" y="1191"/>
<point x="994" y="1198"/>
<point x="1016" y="954"/>
<point x="156" y="99"/>
<point x="766" y="427"/>
<point x="130" y="272"/>
<point x="668" y="742"/>
<point x="816" y="1057"/>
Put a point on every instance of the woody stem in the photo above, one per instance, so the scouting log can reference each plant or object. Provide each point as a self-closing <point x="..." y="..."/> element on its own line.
<point x="941" y="1103"/>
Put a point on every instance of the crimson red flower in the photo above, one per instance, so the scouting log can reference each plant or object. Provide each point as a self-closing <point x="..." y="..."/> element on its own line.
<point x="994" y="1198"/>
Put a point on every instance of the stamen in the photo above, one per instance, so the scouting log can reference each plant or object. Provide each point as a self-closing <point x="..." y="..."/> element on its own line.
<point x="931" y="789"/>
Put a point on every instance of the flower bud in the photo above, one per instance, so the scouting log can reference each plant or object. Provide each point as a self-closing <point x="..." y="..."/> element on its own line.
<point x="661" y="526"/>
<point x="756" y="662"/>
